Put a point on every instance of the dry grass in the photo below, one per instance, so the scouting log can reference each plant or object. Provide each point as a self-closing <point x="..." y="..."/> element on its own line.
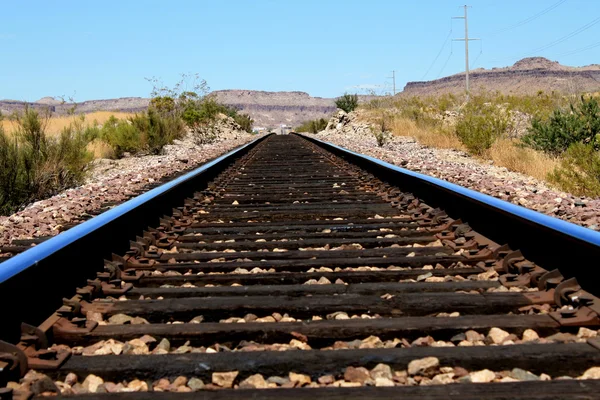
<point x="440" y="139"/>
<point x="100" y="149"/>
<point x="507" y="153"/>
<point x="57" y="124"/>
<point x="504" y="152"/>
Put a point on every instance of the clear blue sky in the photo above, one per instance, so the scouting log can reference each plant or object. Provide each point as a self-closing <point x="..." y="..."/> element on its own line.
<point x="104" y="49"/>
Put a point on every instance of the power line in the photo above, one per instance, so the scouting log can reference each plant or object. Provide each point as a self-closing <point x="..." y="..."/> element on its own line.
<point x="438" y="54"/>
<point x="579" y="50"/>
<point x="446" y="62"/>
<point x="478" y="55"/>
<point x="566" y="37"/>
<point x="555" y="42"/>
<point x="527" y="20"/>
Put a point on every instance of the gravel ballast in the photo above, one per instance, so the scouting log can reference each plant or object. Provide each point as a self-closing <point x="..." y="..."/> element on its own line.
<point x="460" y="168"/>
<point x="113" y="181"/>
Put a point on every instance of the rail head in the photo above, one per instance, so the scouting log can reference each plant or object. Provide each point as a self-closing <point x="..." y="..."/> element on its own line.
<point x="26" y="277"/>
<point x="550" y="241"/>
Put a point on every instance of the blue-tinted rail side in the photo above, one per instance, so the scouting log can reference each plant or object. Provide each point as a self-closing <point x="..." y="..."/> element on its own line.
<point x="550" y="242"/>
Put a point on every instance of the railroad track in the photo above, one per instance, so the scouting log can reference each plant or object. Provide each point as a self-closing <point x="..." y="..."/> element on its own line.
<point x="286" y="266"/>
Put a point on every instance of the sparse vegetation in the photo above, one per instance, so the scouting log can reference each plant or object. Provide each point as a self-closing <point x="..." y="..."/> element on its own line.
<point x="573" y="133"/>
<point x="511" y="154"/>
<point x="579" y="170"/>
<point x="480" y="125"/>
<point x="56" y="123"/>
<point x="347" y="102"/>
<point x="34" y="166"/>
<point x="42" y="156"/>
<point x="313" y="126"/>
<point x="382" y="137"/>
<point x="190" y="102"/>
<point x="578" y="123"/>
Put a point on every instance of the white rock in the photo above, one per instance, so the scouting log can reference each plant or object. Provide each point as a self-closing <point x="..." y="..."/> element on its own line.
<point x="497" y="335"/>
<point x="592" y="373"/>
<point x="586" y="333"/>
<point x="91" y="383"/>
<point x="530" y="335"/>
<point x="422" y="365"/>
<point x="443" y="379"/>
<point x="482" y="376"/>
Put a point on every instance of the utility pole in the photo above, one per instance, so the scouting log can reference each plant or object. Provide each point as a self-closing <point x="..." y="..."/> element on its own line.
<point x="393" y="82"/>
<point x="466" y="40"/>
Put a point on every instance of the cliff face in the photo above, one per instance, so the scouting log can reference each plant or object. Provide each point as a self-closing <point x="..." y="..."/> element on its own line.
<point x="268" y="109"/>
<point x="527" y="76"/>
<point x="125" y="104"/>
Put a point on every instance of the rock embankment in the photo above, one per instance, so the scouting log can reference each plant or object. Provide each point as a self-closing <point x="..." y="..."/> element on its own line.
<point x="114" y="181"/>
<point x="458" y="167"/>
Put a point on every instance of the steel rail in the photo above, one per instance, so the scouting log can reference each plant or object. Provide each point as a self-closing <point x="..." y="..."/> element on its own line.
<point x="28" y="277"/>
<point x="302" y="232"/>
<point x="549" y="241"/>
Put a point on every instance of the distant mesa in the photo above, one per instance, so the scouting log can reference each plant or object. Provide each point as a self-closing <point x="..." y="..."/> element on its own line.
<point x="267" y="109"/>
<point x="50" y="101"/>
<point x="527" y="76"/>
<point x="271" y="109"/>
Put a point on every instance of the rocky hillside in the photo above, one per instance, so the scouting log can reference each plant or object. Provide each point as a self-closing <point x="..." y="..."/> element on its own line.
<point x="527" y="76"/>
<point x="125" y="104"/>
<point x="268" y="109"/>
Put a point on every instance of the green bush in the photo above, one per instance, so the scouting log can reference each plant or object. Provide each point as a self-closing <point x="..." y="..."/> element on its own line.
<point x="157" y="130"/>
<point x="10" y="177"/>
<point x="34" y="166"/>
<point x="579" y="171"/>
<point x="122" y="136"/>
<point x="580" y="123"/>
<point x="347" y="102"/>
<point x="145" y="133"/>
<point x="244" y="121"/>
<point x="480" y="125"/>
<point x="201" y="114"/>
<point x="312" y="126"/>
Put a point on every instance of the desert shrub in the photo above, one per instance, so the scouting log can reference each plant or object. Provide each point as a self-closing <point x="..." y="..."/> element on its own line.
<point x="579" y="123"/>
<point x="445" y="102"/>
<point x="244" y="121"/>
<point x="144" y="133"/>
<point x="382" y="137"/>
<point x="579" y="170"/>
<point x="480" y="125"/>
<point x="100" y="149"/>
<point x="312" y="126"/>
<point x="9" y="173"/>
<point x="347" y="102"/>
<point x="34" y="166"/>
<point x="382" y="126"/>
<point x="163" y="104"/>
<point x="157" y="129"/>
<point x="419" y="110"/>
<point x="201" y="114"/>
<point x="122" y="136"/>
<point x="188" y="101"/>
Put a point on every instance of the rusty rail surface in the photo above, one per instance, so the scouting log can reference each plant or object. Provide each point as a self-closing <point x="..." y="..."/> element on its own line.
<point x="292" y="269"/>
